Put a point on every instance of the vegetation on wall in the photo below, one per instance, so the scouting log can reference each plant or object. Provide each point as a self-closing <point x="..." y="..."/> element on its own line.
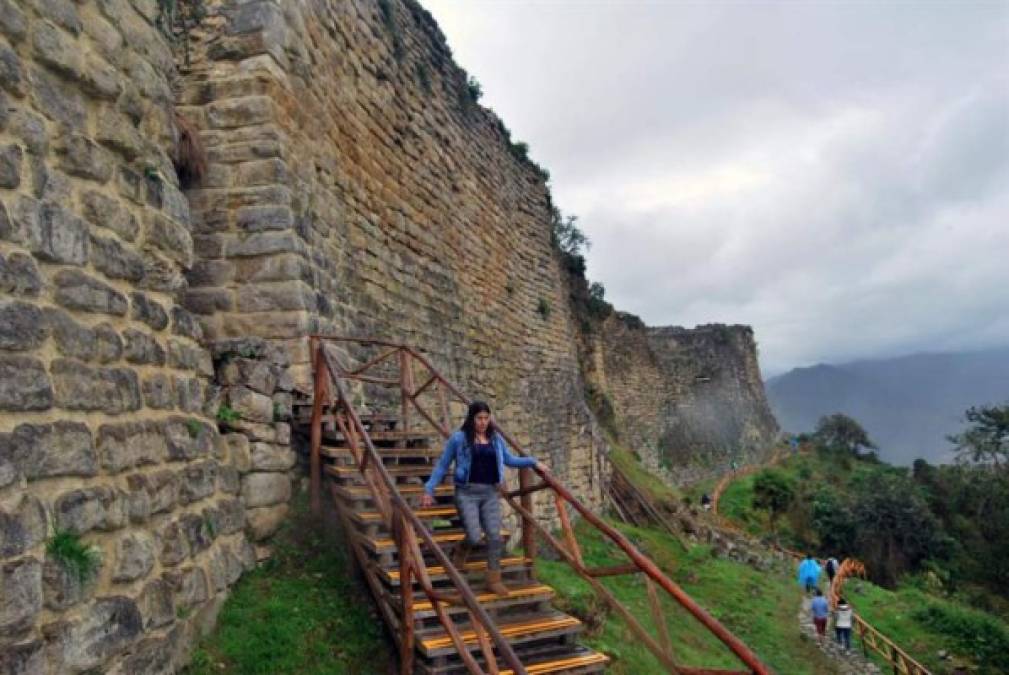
<point x="78" y="559"/>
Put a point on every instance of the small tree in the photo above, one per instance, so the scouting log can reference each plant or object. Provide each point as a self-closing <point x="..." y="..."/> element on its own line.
<point x="838" y="431"/>
<point x="773" y="492"/>
<point x="986" y="440"/>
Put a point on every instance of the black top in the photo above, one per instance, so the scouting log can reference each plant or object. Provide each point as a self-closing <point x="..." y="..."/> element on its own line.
<point x="484" y="466"/>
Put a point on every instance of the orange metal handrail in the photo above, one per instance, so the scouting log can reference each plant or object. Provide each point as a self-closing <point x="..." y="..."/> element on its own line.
<point x="569" y="550"/>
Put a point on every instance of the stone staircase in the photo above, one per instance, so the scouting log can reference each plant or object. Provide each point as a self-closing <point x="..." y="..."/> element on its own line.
<point x="544" y="638"/>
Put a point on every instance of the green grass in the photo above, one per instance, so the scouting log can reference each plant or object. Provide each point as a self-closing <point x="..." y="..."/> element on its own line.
<point x="302" y="612"/>
<point x="653" y="487"/>
<point x="758" y="607"/>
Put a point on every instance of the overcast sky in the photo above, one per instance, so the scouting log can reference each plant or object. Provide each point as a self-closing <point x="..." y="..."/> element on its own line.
<point x="834" y="174"/>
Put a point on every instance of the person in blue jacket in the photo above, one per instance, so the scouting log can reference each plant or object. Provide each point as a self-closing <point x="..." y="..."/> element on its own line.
<point x="480" y="455"/>
<point x="809" y="573"/>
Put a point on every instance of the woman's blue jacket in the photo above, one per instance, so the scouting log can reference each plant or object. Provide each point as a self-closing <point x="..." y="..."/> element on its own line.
<point x="457" y="450"/>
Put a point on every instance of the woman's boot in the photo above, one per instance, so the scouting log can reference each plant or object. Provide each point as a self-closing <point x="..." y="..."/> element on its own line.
<point x="460" y="554"/>
<point x="494" y="584"/>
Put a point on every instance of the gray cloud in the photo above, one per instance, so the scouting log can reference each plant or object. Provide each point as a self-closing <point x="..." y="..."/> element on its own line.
<point x="834" y="174"/>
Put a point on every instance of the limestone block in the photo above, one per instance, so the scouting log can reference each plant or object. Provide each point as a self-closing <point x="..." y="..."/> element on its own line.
<point x="138" y="498"/>
<point x="189" y="394"/>
<point x="283" y="432"/>
<point x="22" y="326"/>
<point x="20" y="595"/>
<point x="22" y="526"/>
<point x="19" y="275"/>
<point x="12" y="75"/>
<point x="183" y="444"/>
<point x="82" y="157"/>
<point x="210" y="273"/>
<point x="26" y="658"/>
<point x="104" y="211"/>
<point x="229" y="480"/>
<point x="265" y="489"/>
<point x="115" y="131"/>
<point x="106" y="628"/>
<point x="87" y="509"/>
<point x="12" y="21"/>
<point x="158" y="392"/>
<point x="161" y="274"/>
<point x="147" y="310"/>
<point x="264" y="243"/>
<point x="240" y="112"/>
<point x="163" y="487"/>
<point x="190" y="586"/>
<point x="115" y="260"/>
<point x="76" y="290"/>
<point x="56" y="49"/>
<point x="156" y="604"/>
<point x="196" y="531"/>
<point x="250" y="405"/>
<point x="197" y="481"/>
<point x="58" y="100"/>
<point x="62" y="589"/>
<point x="62" y="12"/>
<point x="100" y="343"/>
<point x="174" y="545"/>
<point x="282" y="267"/>
<point x="53" y="234"/>
<point x="263" y="218"/>
<point x="263" y="522"/>
<point x="185" y="324"/>
<point x="239" y="451"/>
<point x="80" y="387"/>
<point x="46" y="450"/>
<point x="24" y="384"/>
<point x="10" y="166"/>
<point x="170" y="237"/>
<point x="276" y="296"/>
<point x="270" y="457"/>
<point x="231" y="516"/>
<point x="102" y="81"/>
<point x="141" y="348"/>
<point x="30" y="129"/>
<point x="185" y="357"/>
<point x="124" y="446"/>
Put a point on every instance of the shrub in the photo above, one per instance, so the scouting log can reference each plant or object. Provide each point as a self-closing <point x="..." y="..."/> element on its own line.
<point x="544" y="308"/>
<point x="474" y="89"/>
<point x="982" y="637"/>
<point x="227" y="414"/>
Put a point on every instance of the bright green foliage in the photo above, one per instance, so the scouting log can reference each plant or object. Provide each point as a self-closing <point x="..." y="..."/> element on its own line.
<point x="841" y="432"/>
<point x="227" y="414"/>
<point x="304" y="613"/>
<point x="774" y="492"/>
<point x="986" y="440"/>
<point x="79" y="560"/>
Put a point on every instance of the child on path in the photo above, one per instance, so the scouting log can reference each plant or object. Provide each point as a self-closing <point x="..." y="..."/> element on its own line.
<point x="842" y="623"/>
<point x="820" y="611"/>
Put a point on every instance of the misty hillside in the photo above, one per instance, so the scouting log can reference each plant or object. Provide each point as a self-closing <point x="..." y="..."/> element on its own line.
<point x="907" y="404"/>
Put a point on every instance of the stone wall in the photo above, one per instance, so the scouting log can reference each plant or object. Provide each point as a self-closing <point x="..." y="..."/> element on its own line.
<point x="107" y="431"/>
<point x="356" y="188"/>
<point x="688" y="401"/>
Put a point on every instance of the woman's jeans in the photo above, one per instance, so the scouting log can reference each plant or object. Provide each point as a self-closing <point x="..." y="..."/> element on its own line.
<point x="480" y="509"/>
<point x="843" y="637"/>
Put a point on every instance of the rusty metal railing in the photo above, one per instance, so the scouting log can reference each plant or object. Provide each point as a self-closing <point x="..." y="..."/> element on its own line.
<point x="520" y="501"/>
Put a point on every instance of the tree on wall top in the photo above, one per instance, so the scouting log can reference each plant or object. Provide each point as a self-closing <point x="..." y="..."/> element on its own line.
<point x="841" y="432"/>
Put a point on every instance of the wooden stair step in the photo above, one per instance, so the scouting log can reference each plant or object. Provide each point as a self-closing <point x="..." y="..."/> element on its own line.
<point x="341" y="452"/>
<point x="550" y="625"/>
<point x="434" y="512"/>
<point x="403" y="470"/>
<point x="363" y="493"/>
<point x="583" y="661"/>
<point x="386" y="544"/>
<point x="521" y="593"/>
<point x="437" y="572"/>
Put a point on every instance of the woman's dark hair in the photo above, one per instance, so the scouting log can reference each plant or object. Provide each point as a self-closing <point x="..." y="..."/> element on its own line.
<point x="469" y="426"/>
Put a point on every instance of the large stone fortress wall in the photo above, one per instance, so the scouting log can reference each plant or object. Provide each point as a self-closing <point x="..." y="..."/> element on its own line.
<point x="356" y="188"/>
<point x="106" y="394"/>
<point x="688" y="401"/>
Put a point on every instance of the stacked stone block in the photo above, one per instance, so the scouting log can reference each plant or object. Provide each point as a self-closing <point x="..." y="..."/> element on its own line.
<point x="107" y="403"/>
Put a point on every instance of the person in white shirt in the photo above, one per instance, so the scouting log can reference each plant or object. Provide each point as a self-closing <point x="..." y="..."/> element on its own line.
<point x="842" y="623"/>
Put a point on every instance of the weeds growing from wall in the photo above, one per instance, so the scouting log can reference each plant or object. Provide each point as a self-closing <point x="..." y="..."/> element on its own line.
<point x="78" y="559"/>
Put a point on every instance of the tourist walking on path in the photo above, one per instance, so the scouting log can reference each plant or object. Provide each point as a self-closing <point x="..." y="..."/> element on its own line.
<point x="820" y="611"/>
<point x="480" y="456"/>
<point x="842" y="623"/>
<point x="809" y="573"/>
<point x="706" y="502"/>
<point x="831" y="567"/>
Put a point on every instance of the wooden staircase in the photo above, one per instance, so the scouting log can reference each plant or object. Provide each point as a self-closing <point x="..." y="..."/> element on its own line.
<point x="373" y="465"/>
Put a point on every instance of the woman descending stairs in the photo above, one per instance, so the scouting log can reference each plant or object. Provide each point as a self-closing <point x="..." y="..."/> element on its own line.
<point x="443" y="617"/>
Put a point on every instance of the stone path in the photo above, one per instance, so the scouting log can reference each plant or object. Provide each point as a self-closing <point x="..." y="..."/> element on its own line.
<point x="848" y="663"/>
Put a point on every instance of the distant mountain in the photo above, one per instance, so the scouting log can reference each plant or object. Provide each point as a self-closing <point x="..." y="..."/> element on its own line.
<point x="908" y="404"/>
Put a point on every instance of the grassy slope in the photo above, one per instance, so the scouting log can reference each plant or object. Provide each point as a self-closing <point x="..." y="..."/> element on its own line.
<point x="760" y="608"/>
<point x="302" y="612"/>
<point x="897" y="613"/>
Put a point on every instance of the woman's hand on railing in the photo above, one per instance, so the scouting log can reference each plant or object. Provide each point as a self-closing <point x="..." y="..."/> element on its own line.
<point x="427" y="501"/>
<point x="542" y="468"/>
